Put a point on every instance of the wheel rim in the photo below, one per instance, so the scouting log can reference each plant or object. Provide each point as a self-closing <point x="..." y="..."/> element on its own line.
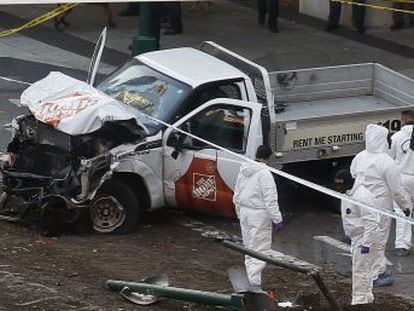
<point x="107" y="214"/>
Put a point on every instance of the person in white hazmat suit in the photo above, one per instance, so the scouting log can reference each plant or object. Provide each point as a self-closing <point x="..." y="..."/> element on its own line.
<point x="374" y="169"/>
<point x="404" y="158"/>
<point x="256" y="201"/>
<point x="361" y="226"/>
<point x="343" y="183"/>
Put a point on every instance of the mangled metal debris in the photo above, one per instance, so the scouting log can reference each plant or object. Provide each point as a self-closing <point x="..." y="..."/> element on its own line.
<point x="64" y="149"/>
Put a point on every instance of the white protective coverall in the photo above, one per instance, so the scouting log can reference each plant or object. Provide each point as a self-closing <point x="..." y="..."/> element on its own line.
<point x="404" y="157"/>
<point x="256" y="201"/>
<point x="377" y="172"/>
<point x="362" y="228"/>
<point x="347" y="219"/>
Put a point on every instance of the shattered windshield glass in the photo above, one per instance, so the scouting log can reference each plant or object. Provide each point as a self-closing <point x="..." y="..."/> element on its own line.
<point x="147" y="90"/>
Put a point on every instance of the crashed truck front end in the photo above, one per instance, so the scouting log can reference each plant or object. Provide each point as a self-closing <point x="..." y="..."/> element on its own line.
<point x="43" y="163"/>
<point x="62" y="151"/>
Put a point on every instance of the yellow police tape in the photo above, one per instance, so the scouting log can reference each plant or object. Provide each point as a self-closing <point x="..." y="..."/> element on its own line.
<point x="66" y="7"/>
<point x="401" y="1"/>
<point x="40" y="19"/>
<point x="372" y="6"/>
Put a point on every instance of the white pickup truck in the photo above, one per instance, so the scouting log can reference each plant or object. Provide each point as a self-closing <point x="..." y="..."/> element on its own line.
<point x="121" y="170"/>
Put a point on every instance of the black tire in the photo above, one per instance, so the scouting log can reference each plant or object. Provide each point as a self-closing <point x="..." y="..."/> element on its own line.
<point x="115" y="209"/>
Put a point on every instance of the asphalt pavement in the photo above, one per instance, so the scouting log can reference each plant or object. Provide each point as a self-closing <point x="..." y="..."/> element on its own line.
<point x="301" y="43"/>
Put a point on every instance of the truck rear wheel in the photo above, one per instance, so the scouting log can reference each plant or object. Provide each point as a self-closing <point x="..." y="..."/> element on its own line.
<point x="115" y="209"/>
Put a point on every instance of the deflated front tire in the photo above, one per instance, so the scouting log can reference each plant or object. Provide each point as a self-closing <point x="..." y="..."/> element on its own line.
<point x="115" y="209"/>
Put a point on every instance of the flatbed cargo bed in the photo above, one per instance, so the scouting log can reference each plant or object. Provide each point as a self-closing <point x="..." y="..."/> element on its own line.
<point x="322" y="112"/>
<point x="330" y="107"/>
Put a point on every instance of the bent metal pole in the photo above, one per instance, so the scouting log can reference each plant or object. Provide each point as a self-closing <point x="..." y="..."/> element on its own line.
<point x="312" y="272"/>
<point x="235" y="301"/>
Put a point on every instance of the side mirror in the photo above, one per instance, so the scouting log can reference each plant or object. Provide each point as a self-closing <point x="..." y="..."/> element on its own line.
<point x="175" y="140"/>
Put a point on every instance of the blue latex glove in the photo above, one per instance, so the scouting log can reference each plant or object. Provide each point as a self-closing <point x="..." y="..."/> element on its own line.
<point x="364" y="249"/>
<point x="347" y="240"/>
<point x="278" y="227"/>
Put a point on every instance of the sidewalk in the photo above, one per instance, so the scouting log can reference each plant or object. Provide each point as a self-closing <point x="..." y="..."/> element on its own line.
<point x="230" y="24"/>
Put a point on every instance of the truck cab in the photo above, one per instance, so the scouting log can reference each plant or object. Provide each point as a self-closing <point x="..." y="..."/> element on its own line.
<point x="169" y="84"/>
<point x="199" y="94"/>
<point x="118" y="182"/>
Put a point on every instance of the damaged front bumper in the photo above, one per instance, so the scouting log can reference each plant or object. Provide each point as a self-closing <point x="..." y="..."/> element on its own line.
<point x="61" y="151"/>
<point x="37" y="190"/>
<point x="48" y="168"/>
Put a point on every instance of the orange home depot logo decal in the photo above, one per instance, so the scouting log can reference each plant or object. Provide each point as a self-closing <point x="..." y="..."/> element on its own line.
<point x="202" y="189"/>
<point x="53" y="111"/>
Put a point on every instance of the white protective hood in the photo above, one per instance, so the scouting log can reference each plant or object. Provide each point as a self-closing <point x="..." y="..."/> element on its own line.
<point x="376" y="138"/>
<point x="73" y="106"/>
<point x="250" y="168"/>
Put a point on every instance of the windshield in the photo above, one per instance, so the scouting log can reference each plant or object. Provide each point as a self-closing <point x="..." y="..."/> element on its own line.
<point x="147" y="90"/>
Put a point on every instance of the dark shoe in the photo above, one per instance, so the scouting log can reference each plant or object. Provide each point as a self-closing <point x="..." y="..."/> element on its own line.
<point x="110" y="24"/>
<point x="402" y="252"/>
<point x="165" y="25"/>
<point x="360" y="29"/>
<point x="173" y="31"/>
<point x="273" y="28"/>
<point x="396" y="26"/>
<point x="383" y="281"/>
<point x="331" y="27"/>
<point x="386" y="273"/>
<point x="50" y="232"/>
<point x="60" y="22"/>
<point x="261" y="20"/>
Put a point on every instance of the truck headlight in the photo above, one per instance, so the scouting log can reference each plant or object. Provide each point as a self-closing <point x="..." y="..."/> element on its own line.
<point x="6" y="159"/>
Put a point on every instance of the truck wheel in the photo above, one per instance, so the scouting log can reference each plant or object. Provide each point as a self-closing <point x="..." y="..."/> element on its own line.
<point x="115" y="209"/>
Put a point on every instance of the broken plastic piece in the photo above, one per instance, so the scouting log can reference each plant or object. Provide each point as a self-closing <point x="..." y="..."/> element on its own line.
<point x="137" y="298"/>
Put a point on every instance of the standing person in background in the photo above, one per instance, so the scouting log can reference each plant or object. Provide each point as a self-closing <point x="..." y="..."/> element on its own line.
<point x="358" y="16"/>
<point x="132" y="9"/>
<point x="374" y="169"/>
<point x="404" y="158"/>
<point x="398" y="17"/>
<point x="271" y="8"/>
<point x="174" y="23"/>
<point x="257" y="207"/>
<point x="361" y="227"/>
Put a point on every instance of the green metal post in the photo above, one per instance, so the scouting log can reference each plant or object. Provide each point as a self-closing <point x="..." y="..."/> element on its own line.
<point x="148" y="36"/>
<point x="208" y="298"/>
<point x="313" y="272"/>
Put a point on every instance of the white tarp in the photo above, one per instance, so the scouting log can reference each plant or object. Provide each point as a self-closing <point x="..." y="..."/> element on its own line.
<point x="73" y="106"/>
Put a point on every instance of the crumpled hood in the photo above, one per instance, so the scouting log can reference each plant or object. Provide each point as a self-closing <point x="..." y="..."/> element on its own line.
<point x="73" y="106"/>
<point x="376" y="138"/>
<point x="249" y="169"/>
